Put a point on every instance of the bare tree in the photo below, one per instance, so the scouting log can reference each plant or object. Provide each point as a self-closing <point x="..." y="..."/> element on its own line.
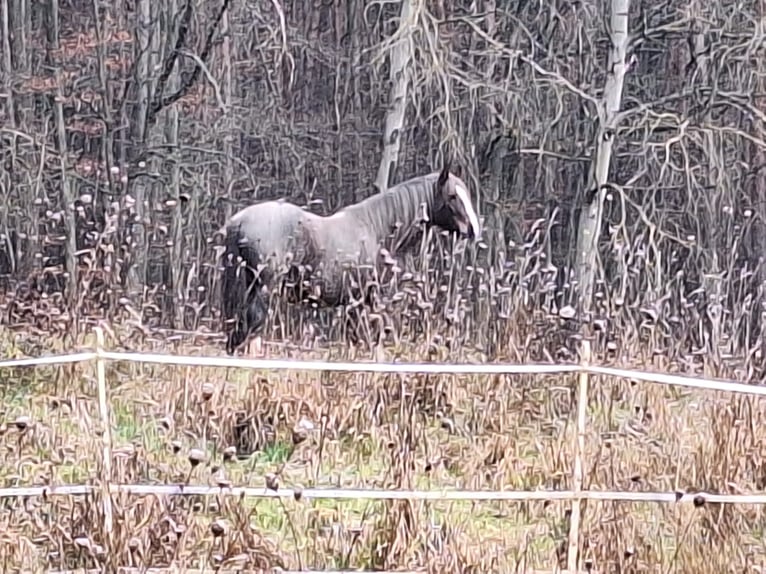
<point x="10" y="118"/>
<point x="146" y="55"/>
<point x="590" y="223"/>
<point x="8" y="63"/>
<point x="401" y="54"/>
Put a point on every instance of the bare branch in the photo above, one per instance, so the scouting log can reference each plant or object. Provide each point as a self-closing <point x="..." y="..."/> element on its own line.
<point x="209" y="77"/>
<point x="188" y="80"/>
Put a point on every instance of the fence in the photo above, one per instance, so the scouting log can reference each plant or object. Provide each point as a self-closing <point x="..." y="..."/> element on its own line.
<point x="576" y="495"/>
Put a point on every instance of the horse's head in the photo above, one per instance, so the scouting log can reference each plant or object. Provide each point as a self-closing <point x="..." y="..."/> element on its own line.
<point x="452" y="207"/>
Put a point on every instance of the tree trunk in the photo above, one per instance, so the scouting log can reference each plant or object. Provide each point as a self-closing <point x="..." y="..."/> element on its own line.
<point x="6" y="244"/>
<point x="72" y="280"/>
<point x="401" y="58"/>
<point x="145" y="55"/>
<point x="589" y="226"/>
<point x="228" y="91"/>
<point x="758" y="190"/>
<point x="8" y="64"/>
<point x="497" y="181"/>
<point x="711" y="279"/>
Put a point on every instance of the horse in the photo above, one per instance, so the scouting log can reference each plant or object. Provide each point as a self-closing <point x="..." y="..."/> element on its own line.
<point x="273" y="238"/>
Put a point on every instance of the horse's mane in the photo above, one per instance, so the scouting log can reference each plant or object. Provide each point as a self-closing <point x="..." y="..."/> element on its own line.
<point x="400" y="204"/>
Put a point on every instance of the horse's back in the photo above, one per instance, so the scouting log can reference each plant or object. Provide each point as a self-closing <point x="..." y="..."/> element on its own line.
<point x="278" y="211"/>
<point x="274" y="228"/>
<point x="346" y="240"/>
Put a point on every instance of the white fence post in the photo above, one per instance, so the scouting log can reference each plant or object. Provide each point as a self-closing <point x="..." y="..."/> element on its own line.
<point x="106" y="435"/>
<point x="579" y="453"/>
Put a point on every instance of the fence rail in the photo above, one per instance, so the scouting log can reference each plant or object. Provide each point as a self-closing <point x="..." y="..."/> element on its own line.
<point x="378" y="494"/>
<point x="179" y="570"/>
<point x="576" y="496"/>
<point x="393" y="368"/>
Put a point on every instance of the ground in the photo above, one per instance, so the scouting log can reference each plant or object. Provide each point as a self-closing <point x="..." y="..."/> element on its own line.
<point x="303" y="430"/>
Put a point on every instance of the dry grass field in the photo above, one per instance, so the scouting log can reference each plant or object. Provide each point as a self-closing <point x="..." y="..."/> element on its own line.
<point x="302" y="430"/>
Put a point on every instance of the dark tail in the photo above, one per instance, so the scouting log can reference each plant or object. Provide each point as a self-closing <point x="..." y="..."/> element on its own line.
<point x="244" y="309"/>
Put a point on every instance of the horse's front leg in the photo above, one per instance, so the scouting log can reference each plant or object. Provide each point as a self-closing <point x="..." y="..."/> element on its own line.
<point x="249" y="322"/>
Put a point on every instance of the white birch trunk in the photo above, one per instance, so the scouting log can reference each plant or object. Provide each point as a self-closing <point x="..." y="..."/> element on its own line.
<point x="401" y="58"/>
<point x="590" y="217"/>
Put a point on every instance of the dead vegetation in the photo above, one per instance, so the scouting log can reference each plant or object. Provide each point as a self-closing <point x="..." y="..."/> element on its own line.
<point x="291" y="104"/>
<point x="299" y="430"/>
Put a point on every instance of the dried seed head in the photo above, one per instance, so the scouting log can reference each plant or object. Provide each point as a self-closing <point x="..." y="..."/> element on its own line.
<point x="22" y="423"/>
<point x="165" y="423"/>
<point x="215" y="468"/>
<point x="299" y="435"/>
<point x="298" y="492"/>
<point x="134" y="544"/>
<point x="82" y="542"/>
<point x="223" y="482"/>
<point x="448" y="425"/>
<point x="207" y="391"/>
<point x="176" y="446"/>
<point x="196" y="456"/>
<point x="219" y="528"/>
<point x="229" y="452"/>
<point x="699" y="500"/>
<point x="272" y="481"/>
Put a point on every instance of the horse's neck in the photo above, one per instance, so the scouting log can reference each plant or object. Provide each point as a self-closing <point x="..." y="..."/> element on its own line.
<point x="396" y="214"/>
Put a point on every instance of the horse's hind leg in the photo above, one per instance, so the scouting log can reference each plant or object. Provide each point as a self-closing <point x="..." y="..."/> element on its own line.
<point x="252" y="322"/>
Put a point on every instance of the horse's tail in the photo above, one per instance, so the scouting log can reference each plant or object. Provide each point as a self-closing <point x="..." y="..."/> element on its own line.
<point x="232" y="291"/>
<point x="242" y="306"/>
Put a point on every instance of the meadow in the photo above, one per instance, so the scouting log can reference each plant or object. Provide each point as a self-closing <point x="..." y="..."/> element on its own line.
<point x="219" y="426"/>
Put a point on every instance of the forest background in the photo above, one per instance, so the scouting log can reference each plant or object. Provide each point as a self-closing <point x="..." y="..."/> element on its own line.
<point x="616" y="150"/>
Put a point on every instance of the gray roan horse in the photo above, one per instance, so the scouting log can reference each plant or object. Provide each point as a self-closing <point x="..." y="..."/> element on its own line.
<point x="274" y="238"/>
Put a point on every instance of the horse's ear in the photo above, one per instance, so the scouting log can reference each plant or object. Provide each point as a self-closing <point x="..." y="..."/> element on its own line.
<point x="444" y="175"/>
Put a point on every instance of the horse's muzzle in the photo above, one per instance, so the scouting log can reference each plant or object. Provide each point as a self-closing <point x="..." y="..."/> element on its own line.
<point x="466" y="230"/>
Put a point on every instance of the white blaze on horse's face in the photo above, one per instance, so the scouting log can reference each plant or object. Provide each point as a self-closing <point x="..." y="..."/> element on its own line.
<point x="465" y="199"/>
